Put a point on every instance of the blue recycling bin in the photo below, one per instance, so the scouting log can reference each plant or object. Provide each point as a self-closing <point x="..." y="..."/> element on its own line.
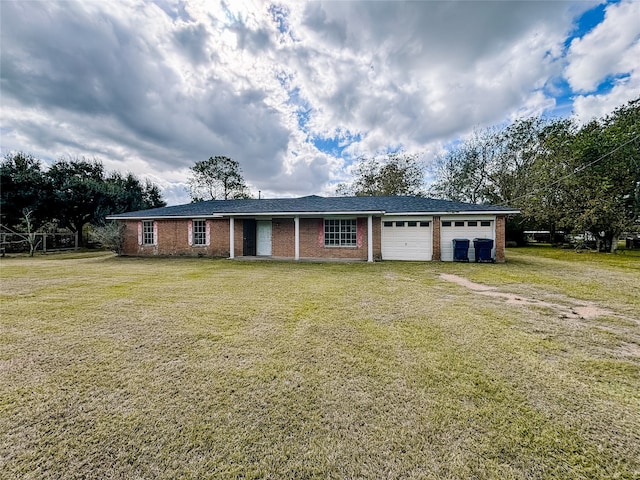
<point x="483" y="248"/>
<point x="460" y="249"/>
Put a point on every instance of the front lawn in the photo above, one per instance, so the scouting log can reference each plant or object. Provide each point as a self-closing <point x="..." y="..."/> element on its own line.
<point x="197" y="368"/>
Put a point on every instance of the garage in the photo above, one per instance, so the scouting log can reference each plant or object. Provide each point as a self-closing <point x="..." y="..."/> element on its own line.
<point x="469" y="228"/>
<point x="406" y="238"/>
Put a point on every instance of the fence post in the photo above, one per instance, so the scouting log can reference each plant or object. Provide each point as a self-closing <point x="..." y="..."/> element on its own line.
<point x="44" y="243"/>
<point x="76" y="240"/>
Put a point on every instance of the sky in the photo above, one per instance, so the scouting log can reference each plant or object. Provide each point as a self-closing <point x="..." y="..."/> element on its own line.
<point x="297" y="91"/>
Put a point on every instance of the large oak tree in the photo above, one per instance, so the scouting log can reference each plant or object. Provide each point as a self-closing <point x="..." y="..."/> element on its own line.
<point x="219" y="178"/>
<point x="395" y="174"/>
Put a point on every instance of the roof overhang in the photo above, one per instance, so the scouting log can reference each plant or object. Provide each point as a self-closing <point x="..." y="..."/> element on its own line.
<point x="249" y="215"/>
<point x="480" y="212"/>
<point x="455" y="212"/>
<point x="313" y="214"/>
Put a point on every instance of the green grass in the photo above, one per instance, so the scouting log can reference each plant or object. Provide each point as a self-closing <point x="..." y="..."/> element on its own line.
<point x="197" y="368"/>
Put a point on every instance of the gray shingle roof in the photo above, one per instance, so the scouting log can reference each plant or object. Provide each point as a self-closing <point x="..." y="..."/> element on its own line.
<point x="315" y="204"/>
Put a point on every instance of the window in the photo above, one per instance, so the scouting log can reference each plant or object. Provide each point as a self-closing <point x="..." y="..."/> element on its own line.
<point x="399" y="224"/>
<point x="388" y="224"/>
<point x="424" y="224"/>
<point x="472" y="223"/>
<point x="340" y="233"/>
<point x="147" y="233"/>
<point x="199" y="232"/>
<point x="446" y="223"/>
<point x="459" y="224"/>
<point x="412" y="224"/>
<point x="485" y="223"/>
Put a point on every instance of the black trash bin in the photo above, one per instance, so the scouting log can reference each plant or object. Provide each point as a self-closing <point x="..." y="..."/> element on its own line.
<point x="460" y="249"/>
<point x="483" y="247"/>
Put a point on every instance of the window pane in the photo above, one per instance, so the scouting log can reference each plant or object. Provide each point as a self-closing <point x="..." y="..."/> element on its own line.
<point x="399" y="224"/>
<point x="199" y="232"/>
<point x="350" y="232"/>
<point x="446" y="223"/>
<point x="472" y="224"/>
<point x="424" y="224"/>
<point x="412" y="224"/>
<point x="340" y="232"/>
<point x="388" y="224"/>
<point x="459" y="224"/>
<point x="147" y="232"/>
<point x="485" y="223"/>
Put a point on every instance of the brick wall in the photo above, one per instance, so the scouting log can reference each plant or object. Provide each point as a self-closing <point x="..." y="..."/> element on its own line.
<point x="500" y="238"/>
<point x="237" y="237"/>
<point x="173" y="239"/>
<point x="283" y="233"/>
<point x="437" y="255"/>
<point x="312" y="241"/>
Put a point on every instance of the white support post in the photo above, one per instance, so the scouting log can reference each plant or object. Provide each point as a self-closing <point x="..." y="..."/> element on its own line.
<point x="296" y="223"/>
<point x="231" y="237"/>
<point x="370" y="238"/>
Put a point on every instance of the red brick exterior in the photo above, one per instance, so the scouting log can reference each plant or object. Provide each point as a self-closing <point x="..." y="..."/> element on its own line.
<point x="173" y="239"/>
<point x="437" y="252"/>
<point x="237" y="237"/>
<point x="312" y="241"/>
<point x="283" y="237"/>
<point x="501" y="221"/>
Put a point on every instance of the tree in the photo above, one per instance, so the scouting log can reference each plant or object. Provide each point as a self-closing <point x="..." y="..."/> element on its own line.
<point x="128" y="194"/>
<point x="152" y="196"/>
<point x="606" y="180"/>
<point x="23" y="186"/>
<point x="71" y="193"/>
<point x="542" y="194"/>
<point x="217" y="178"/>
<point x="80" y="194"/>
<point x="110" y="235"/>
<point x="463" y="173"/>
<point x="397" y="174"/>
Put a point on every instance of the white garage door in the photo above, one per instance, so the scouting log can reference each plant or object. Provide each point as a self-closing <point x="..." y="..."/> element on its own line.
<point x="468" y="228"/>
<point x="406" y="238"/>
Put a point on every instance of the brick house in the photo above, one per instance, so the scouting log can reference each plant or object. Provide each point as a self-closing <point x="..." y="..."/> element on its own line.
<point x="313" y="227"/>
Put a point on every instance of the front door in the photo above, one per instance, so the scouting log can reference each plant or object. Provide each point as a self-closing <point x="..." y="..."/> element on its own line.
<point x="264" y="237"/>
<point x="248" y="238"/>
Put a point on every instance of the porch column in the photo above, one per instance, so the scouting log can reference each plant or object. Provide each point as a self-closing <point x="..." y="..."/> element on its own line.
<point x="296" y="223"/>
<point x="370" y="238"/>
<point x="231" y="237"/>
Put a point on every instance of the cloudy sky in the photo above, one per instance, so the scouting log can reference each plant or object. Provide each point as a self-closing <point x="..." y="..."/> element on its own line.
<point x="296" y="90"/>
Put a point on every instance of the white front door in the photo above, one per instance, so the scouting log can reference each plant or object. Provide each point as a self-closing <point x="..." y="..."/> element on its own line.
<point x="264" y="237"/>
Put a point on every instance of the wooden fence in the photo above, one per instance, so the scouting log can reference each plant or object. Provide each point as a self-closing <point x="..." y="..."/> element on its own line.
<point x="47" y="242"/>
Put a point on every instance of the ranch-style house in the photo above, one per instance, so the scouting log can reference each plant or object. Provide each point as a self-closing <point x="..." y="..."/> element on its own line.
<point x="313" y="227"/>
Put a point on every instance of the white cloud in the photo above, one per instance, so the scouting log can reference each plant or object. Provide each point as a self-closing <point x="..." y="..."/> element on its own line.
<point x="587" y="107"/>
<point x="154" y="87"/>
<point x="611" y="48"/>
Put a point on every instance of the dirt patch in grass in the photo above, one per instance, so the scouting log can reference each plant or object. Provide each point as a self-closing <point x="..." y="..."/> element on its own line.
<point x="573" y="309"/>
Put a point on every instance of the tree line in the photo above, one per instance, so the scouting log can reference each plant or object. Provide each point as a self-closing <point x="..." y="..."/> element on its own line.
<point x="69" y="195"/>
<point x="562" y="175"/>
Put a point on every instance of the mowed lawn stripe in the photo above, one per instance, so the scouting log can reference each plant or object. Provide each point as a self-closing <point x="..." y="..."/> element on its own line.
<point x="194" y="368"/>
